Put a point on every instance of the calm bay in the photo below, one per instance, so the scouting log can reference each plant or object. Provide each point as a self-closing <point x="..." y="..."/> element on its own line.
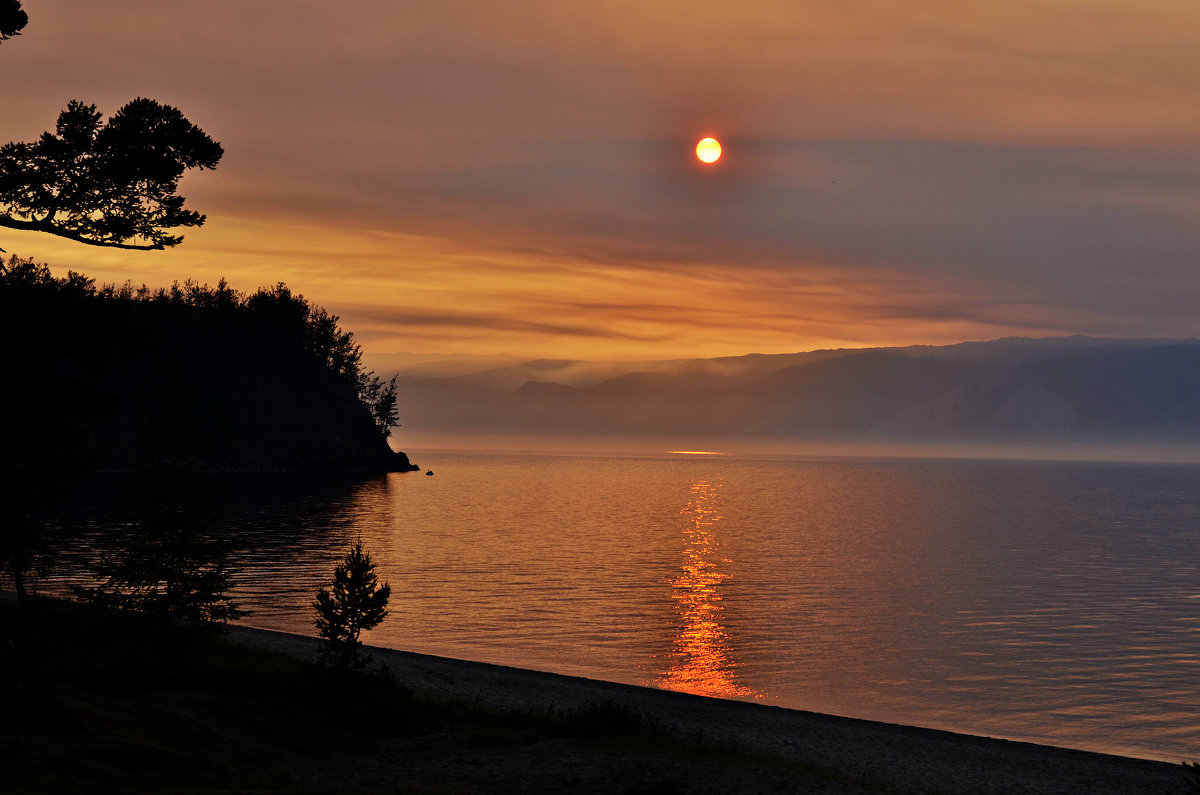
<point x="1054" y="602"/>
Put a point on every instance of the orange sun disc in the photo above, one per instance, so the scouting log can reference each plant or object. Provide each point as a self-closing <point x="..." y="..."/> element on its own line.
<point x="708" y="150"/>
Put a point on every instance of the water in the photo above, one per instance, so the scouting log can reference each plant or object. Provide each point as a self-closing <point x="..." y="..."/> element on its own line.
<point x="1050" y="602"/>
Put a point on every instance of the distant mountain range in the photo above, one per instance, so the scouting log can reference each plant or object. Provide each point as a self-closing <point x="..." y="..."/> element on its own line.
<point x="1064" y="389"/>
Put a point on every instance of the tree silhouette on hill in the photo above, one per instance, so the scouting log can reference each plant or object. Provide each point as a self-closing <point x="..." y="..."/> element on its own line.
<point x="112" y="184"/>
<point x="106" y="184"/>
<point x="193" y="376"/>
<point x="12" y="19"/>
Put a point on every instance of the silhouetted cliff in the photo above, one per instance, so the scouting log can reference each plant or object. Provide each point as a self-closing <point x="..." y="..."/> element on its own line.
<point x="128" y="376"/>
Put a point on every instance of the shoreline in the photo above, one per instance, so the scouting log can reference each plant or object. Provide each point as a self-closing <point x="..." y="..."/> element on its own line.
<point x="910" y="759"/>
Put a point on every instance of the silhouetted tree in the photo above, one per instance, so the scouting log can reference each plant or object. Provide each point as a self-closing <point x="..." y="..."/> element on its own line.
<point x="352" y="602"/>
<point x="106" y="184"/>
<point x="380" y="397"/>
<point x="48" y="404"/>
<point x="334" y="348"/>
<point x="12" y="19"/>
<point x="174" y="563"/>
<point x="23" y="549"/>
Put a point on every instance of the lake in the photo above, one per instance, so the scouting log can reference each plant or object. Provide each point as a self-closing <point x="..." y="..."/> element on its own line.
<point x="1052" y="602"/>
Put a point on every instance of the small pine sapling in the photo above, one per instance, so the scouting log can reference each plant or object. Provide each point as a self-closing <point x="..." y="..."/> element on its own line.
<point x="354" y="601"/>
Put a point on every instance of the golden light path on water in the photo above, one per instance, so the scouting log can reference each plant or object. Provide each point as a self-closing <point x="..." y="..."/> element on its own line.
<point x="702" y="661"/>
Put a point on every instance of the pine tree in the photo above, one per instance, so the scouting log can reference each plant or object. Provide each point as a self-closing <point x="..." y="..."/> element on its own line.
<point x="109" y="183"/>
<point x="354" y="601"/>
<point x="12" y="19"/>
<point x="175" y="562"/>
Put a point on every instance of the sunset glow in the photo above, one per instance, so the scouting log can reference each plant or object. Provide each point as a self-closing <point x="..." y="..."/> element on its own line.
<point x="454" y="179"/>
<point x="596" y="365"/>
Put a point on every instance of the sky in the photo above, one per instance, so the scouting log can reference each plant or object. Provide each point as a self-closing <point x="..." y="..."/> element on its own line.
<point x="475" y="177"/>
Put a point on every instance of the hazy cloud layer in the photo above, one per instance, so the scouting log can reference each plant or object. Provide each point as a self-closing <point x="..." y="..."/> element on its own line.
<point x="485" y="177"/>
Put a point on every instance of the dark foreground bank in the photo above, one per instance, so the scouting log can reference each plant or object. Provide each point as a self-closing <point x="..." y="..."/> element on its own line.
<point x="108" y="703"/>
<point x="856" y="755"/>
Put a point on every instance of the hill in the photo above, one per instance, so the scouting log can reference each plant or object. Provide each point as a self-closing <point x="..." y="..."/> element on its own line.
<point x="119" y="377"/>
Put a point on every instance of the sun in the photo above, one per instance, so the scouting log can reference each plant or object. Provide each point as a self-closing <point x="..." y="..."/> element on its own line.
<point x="708" y="150"/>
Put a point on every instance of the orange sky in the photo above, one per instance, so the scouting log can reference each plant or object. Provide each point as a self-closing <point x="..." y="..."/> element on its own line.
<point x="476" y="177"/>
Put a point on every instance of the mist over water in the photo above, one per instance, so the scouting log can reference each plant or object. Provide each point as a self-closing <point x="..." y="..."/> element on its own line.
<point x="1046" y="601"/>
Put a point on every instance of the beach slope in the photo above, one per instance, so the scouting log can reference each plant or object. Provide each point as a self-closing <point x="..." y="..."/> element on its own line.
<point x="865" y="756"/>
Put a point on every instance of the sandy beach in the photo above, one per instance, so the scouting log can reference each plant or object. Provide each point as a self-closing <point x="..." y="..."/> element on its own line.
<point x="902" y="758"/>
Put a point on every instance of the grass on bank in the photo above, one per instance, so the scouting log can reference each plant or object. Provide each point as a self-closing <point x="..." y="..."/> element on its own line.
<point x="100" y="701"/>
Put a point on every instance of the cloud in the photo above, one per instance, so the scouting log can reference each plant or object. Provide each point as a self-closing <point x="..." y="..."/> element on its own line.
<point x="520" y="174"/>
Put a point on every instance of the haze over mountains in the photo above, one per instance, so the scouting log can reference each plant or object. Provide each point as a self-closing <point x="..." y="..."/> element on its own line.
<point x="1014" y="390"/>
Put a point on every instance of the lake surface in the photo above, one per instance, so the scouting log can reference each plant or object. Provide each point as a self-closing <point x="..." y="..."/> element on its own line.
<point x="1045" y="601"/>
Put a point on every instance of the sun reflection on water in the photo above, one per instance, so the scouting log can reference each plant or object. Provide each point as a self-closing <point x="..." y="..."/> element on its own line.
<point x="702" y="660"/>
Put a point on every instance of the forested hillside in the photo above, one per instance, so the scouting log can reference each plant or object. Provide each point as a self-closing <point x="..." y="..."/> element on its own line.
<point x="118" y="377"/>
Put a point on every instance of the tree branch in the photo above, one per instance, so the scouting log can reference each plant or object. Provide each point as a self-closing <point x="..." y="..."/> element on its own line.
<point x="43" y="226"/>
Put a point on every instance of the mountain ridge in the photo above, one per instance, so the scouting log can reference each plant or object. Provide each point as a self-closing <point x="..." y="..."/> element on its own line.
<point x="1050" y="389"/>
